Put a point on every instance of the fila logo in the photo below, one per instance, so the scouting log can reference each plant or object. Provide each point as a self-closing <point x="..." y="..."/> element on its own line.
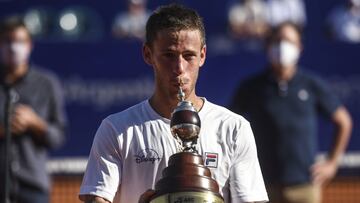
<point x="211" y="159"/>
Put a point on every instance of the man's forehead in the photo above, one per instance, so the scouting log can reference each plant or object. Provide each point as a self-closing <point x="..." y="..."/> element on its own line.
<point x="290" y="33"/>
<point x="176" y="32"/>
<point x="171" y="35"/>
<point x="177" y="36"/>
<point x="19" y="32"/>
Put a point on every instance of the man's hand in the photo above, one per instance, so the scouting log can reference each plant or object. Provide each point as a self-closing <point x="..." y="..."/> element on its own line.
<point x="25" y="119"/>
<point x="145" y="197"/>
<point x="323" y="172"/>
<point x="92" y="199"/>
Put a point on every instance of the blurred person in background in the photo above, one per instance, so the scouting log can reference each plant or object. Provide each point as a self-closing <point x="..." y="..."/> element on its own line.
<point x="282" y="104"/>
<point x="344" y="22"/>
<point x="250" y="20"/>
<point x="280" y="11"/>
<point x="132" y="147"/>
<point x="131" y="23"/>
<point x="38" y="116"/>
<point x="247" y="19"/>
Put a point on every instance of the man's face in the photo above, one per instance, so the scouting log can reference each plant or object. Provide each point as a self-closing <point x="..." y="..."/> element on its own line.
<point x="284" y="50"/>
<point x="174" y="56"/>
<point x="15" y="47"/>
<point x="289" y="34"/>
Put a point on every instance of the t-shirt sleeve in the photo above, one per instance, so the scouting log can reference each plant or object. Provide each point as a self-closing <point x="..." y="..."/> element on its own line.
<point x="246" y="181"/>
<point x="103" y="172"/>
<point x="327" y="102"/>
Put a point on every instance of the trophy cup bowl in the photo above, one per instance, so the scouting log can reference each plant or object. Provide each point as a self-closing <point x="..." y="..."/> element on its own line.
<point x="185" y="124"/>
<point x="186" y="179"/>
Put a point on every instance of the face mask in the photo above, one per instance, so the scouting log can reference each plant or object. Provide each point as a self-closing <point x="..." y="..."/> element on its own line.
<point x="355" y="2"/>
<point x="284" y="53"/>
<point x="14" y="54"/>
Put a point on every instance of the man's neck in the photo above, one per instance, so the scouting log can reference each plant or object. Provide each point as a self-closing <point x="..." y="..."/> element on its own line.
<point x="285" y="74"/>
<point x="12" y="74"/>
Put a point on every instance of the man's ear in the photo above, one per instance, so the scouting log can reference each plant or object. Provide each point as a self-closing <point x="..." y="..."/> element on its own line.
<point x="147" y="55"/>
<point x="202" y="55"/>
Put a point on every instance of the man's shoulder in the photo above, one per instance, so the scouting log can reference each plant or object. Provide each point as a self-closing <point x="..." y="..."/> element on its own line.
<point x="255" y="80"/>
<point x="40" y="74"/>
<point x="220" y="112"/>
<point x="222" y="119"/>
<point x="310" y="77"/>
<point x="129" y="115"/>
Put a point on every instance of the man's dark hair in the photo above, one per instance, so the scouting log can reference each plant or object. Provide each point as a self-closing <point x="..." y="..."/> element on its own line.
<point x="274" y="32"/>
<point x="11" y="23"/>
<point x="174" y="17"/>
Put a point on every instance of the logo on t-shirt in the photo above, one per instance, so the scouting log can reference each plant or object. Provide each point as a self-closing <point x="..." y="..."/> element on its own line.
<point x="303" y="95"/>
<point x="147" y="155"/>
<point x="211" y="159"/>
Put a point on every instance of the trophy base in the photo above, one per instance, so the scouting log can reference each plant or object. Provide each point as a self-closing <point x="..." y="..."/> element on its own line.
<point x="193" y="197"/>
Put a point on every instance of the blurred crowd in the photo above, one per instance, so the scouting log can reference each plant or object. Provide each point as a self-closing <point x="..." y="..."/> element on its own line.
<point x="247" y="20"/>
<point x="252" y="19"/>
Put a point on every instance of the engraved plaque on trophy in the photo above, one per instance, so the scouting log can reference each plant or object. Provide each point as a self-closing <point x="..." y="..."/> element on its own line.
<point x="186" y="179"/>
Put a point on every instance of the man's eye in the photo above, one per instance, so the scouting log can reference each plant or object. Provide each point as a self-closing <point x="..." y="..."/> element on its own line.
<point x="169" y="55"/>
<point x="189" y="56"/>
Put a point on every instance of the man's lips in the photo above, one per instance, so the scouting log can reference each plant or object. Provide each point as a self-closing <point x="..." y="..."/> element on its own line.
<point x="180" y="82"/>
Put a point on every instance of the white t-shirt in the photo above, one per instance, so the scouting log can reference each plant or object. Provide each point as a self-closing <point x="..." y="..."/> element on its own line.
<point x="131" y="148"/>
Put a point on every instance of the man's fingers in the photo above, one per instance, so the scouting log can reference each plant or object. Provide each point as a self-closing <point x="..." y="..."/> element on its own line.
<point x="317" y="179"/>
<point x="17" y="125"/>
<point x="322" y="172"/>
<point x="145" y="197"/>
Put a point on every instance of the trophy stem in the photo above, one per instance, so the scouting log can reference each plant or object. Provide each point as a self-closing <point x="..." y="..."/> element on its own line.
<point x="190" y="146"/>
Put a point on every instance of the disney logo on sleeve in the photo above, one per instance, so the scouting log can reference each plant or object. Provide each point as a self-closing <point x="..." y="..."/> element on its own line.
<point x="147" y="155"/>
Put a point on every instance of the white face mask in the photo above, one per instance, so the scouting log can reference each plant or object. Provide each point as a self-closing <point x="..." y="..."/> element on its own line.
<point x="284" y="53"/>
<point x="355" y="2"/>
<point x="14" y="54"/>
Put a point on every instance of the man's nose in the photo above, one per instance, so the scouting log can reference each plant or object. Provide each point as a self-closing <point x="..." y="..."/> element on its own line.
<point x="180" y="64"/>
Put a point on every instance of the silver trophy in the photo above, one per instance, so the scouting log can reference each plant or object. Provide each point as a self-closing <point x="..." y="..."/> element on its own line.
<point x="185" y="124"/>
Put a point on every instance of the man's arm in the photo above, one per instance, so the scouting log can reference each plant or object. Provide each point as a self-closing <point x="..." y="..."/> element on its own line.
<point x="92" y="199"/>
<point x="325" y="171"/>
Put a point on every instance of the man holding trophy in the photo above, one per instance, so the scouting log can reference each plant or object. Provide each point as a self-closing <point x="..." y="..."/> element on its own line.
<point x="176" y="142"/>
